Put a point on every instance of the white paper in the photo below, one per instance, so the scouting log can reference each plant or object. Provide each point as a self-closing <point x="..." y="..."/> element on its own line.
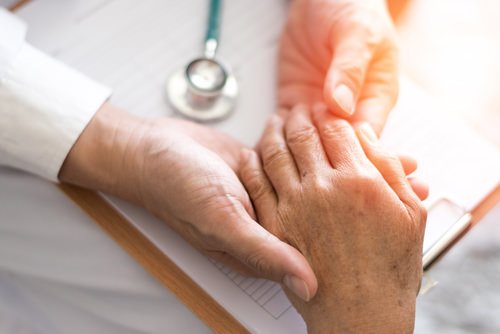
<point x="133" y="46"/>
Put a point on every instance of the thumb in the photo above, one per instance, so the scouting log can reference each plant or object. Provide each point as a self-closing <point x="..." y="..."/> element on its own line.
<point x="268" y="256"/>
<point x="352" y="55"/>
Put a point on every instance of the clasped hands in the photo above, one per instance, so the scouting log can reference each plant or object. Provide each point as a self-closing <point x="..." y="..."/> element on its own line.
<point x="321" y="207"/>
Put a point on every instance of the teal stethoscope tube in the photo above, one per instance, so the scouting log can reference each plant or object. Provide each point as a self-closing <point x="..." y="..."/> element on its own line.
<point x="213" y="20"/>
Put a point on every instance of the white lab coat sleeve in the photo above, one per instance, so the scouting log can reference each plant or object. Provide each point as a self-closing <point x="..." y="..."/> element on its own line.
<point x="44" y="104"/>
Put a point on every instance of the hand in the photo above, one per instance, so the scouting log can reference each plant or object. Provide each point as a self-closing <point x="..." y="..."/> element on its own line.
<point x="342" y="52"/>
<point x="225" y="146"/>
<point x="347" y="206"/>
<point x="162" y="165"/>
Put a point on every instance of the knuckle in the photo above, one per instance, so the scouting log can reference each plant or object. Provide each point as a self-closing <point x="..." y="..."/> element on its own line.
<point x="353" y="72"/>
<point x="335" y="130"/>
<point x="364" y="179"/>
<point x="252" y="179"/>
<point x="390" y="163"/>
<point x="202" y="234"/>
<point x="293" y="193"/>
<point x="257" y="261"/>
<point x="389" y="157"/>
<point x="322" y="185"/>
<point x="301" y="136"/>
<point x="364" y="191"/>
<point x="259" y="190"/>
<point x="275" y="154"/>
<point x="362" y="25"/>
<point x="363" y="183"/>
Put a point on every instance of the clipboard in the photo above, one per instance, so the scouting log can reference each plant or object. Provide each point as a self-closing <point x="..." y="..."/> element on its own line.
<point x="461" y="222"/>
<point x="459" y="227"/>
<point x="160" y="266"/>
<point x="440" y="213"/>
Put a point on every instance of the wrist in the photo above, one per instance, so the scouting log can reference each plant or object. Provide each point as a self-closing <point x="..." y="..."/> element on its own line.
<point x="357" y="312"/>
<point x="106" y="155"/>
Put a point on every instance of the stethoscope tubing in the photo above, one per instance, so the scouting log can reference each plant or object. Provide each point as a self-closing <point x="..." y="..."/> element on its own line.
<point x="214" y="15"/>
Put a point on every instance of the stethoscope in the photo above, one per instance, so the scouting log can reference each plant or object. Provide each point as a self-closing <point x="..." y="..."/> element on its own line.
<point x="204" y="90"/>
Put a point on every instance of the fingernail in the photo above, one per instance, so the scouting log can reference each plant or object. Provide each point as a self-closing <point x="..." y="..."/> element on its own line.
<point x="297" y="286"/>
<point x="345" y="98"/>
<point x="368" y="133"/>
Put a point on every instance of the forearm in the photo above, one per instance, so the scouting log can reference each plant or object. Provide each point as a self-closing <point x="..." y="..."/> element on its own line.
<point x="106" y="156"/>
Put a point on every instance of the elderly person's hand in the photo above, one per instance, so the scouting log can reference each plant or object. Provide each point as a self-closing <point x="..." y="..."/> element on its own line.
<point x="342" y="52"/>
<point x="183" y="173"/>
<point x="348" y="207"/>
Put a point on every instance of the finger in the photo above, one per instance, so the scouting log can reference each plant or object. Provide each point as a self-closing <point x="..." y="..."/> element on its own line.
<point x="230" y="262"/>
<point x="276" y="158"/>
<point x="282" y="113"/>
<point x="345" y="77"/>
<point x="268" y="256"/>
<point x="409" y="163"/>
<point x="304" y="143"/>
<point x="420" y="188"/>
<point x="380" y="91"/>
<point x="259" y="189"/>
<point x="388" y="164"/>
<point x="338" y="138"/>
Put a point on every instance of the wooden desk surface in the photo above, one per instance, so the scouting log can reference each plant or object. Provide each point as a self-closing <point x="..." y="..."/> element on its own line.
<point x="166" y="271"/>
<point x="153" y="260"/>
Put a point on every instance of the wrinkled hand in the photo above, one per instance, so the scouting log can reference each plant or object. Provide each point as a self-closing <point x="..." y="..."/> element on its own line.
<point x="183" y="173"/>
<point x="342" y="52"/>
<point x="347" y="206"/>
<point x="209" y="206"/>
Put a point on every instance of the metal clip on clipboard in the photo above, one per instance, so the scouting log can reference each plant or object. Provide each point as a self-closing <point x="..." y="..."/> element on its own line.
<point x="445" y="241"/>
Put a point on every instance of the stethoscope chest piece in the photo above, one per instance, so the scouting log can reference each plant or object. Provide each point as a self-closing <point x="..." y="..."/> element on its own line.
<point x="203" y="90"/>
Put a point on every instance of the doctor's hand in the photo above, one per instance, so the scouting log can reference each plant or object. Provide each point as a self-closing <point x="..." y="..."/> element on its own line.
<point x="348" y="207"/>
<point x="343" y="53"/>
<point x="183" y="174"/>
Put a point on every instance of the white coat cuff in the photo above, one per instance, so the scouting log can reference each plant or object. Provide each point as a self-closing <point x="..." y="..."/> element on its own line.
<point x="44" y="107"/>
